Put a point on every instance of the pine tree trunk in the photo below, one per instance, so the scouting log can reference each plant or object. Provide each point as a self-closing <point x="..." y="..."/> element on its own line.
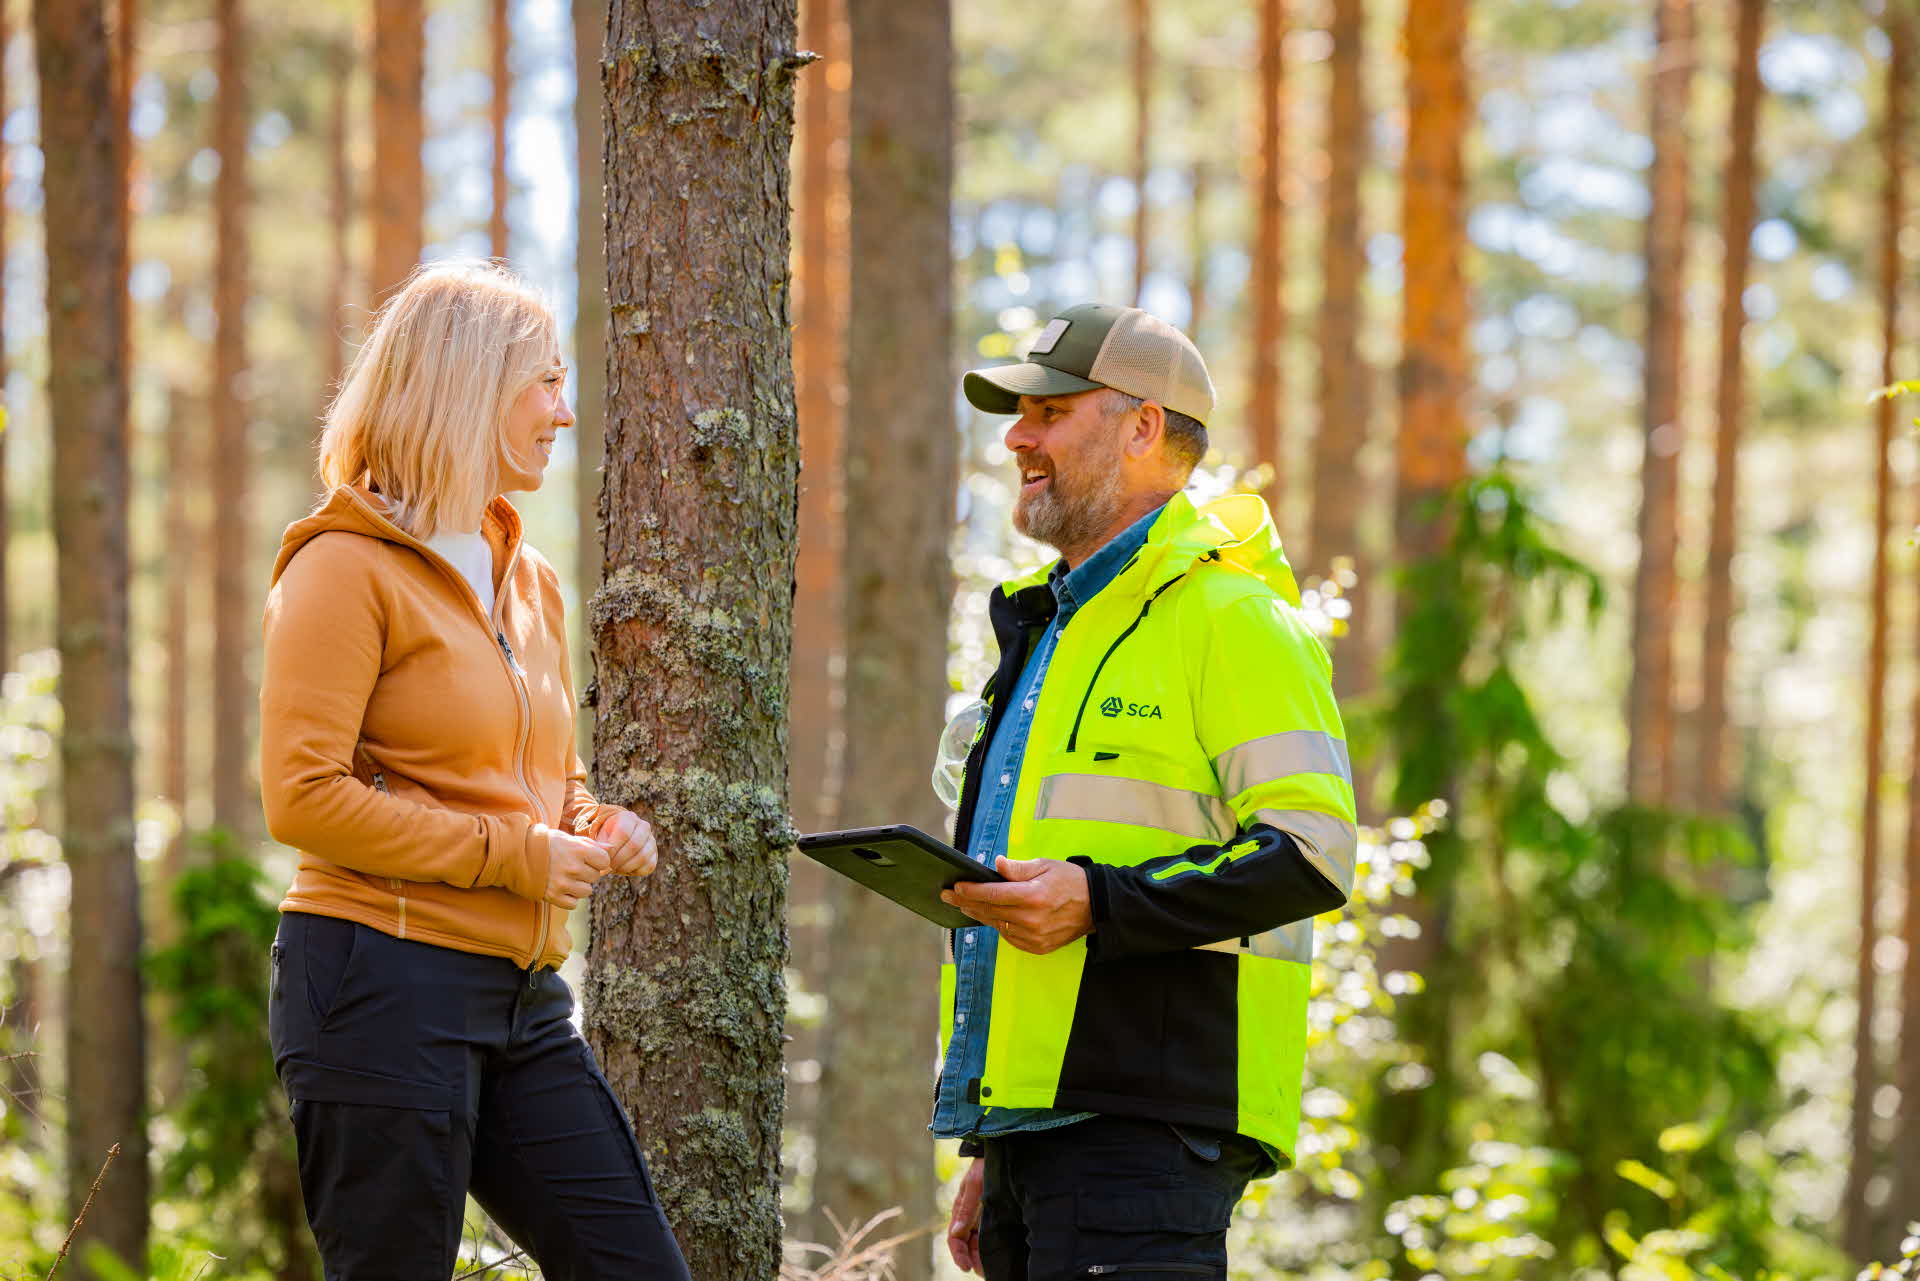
<point x="1431" y="458"/>
<point x="1339" y="493"/>
<point x="87" y="396"/>
<point x="339" y="218"/>
<point x="1894" y="271"/>
<point x="6" y="518"/>
<point x="1714" y="790"/>
<point x="235" y="804"/>
<point x="1650" y="760"/>
<point x="814" y="729"/>
<point x="684" y="993"/>
<point x="589" y="316"/>
<point x="1268" y="272"/>
<point x="1431" y="448"/>
<point x="1864" y="1155"/>
<point x="873" y="1152"/>
<point x="502" y="40"/>
<point x="819" y="353"/>
<point x="1142" y="135"/>
<point x="398" y="191"/>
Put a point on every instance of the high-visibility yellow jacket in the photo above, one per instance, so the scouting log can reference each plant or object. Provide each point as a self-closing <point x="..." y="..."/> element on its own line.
<point x="1186" y="750"/>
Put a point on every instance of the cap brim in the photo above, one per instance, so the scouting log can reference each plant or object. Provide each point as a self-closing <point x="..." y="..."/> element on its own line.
<point x="998" y="390"/>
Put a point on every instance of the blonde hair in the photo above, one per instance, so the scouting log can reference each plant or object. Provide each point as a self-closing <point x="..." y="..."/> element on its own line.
<point x="421" y="410"/>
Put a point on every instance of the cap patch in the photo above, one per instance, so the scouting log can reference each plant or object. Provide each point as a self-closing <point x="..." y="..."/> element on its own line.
<point x="1048" y="337"/>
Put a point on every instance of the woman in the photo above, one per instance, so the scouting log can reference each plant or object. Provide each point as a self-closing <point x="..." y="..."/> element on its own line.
<point x="416" y="747"/>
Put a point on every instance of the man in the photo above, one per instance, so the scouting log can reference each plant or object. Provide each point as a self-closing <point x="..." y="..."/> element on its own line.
<point x="1162" y="776"/>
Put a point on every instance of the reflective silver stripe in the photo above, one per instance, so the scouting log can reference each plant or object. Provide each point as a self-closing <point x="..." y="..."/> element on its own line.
<point x="1297" y="751"/>
<point x="1329" y="843"/>
<point x="1097" y="798"/>
<point x="1288" y="943"/>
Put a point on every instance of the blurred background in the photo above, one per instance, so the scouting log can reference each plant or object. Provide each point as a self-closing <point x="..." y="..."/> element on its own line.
<point x="1554" y="332"/>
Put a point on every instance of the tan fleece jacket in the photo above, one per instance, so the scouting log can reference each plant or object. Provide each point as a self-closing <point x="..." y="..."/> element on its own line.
<point x="414" y="750"/>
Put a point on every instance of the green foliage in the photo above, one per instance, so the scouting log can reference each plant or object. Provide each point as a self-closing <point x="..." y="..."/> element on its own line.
<point x="1571" y="1009"/>
<point x="216" y="977"/>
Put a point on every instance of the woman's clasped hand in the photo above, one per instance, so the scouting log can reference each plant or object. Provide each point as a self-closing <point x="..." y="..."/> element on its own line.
<point x="624" y="845"/>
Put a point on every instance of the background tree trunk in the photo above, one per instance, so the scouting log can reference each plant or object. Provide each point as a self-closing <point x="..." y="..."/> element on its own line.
<point x="502" y="41"/>
<point x="1267" y="277"/>
<point x="87" y="394"/>
<point x="1432" y="462"/>
<point x="399" y="196"/>
<point x="881" y="1001"/>
<point x="684" y="991"/>
<point x="340" y="218"/>
<point x="589" y="316"/>
<point x="1431" y="448"/>
<point x="1714" y="791"/>
<point x="1142" y="131"/>
<point x="1650" y="693"/>
<point x="1340" y="491"/>
<point x="819" y="355"/>
<point x="235" y="805"/>
<point x="1905" y="1202"/>
<point x="815" y="735"/>
<point x="6" y="519"/>
<point x="1864" y="1156"/>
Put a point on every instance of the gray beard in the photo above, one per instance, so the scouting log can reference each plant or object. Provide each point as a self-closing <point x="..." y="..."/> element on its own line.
<point x="1066" y="521"/>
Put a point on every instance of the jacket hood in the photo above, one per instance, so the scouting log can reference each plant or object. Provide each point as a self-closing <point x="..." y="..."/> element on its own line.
<point x="1236" y="530"/>
<point x="356" y="509"/>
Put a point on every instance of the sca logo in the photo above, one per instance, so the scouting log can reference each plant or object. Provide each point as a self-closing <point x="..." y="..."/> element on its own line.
<point x="1114" y="706"/>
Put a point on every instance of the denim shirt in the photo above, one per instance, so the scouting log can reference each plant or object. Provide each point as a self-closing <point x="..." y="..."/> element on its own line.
<point x="954" y="1115"/>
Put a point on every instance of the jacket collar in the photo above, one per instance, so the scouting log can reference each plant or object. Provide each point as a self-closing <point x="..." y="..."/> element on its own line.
<point x="1236" y="531"/>
<point x="358" y="509"/>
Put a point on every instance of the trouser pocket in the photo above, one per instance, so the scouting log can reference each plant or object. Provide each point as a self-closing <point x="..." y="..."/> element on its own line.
<point x="382" y="1193"/>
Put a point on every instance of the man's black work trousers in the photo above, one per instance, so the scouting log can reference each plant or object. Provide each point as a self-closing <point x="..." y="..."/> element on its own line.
<point x="1114" y="1198"/>
<point x="418" y="1074"/>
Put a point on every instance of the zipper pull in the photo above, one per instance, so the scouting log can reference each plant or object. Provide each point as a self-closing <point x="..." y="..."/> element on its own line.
<point x="512" y="661"/>
<point x="532" y="970"/>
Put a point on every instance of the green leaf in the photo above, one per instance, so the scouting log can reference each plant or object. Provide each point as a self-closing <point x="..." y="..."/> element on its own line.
<point x="1652" y="1180"/>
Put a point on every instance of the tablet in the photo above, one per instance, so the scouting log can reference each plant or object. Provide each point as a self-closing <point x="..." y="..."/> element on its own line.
<point x="903" y="863"/>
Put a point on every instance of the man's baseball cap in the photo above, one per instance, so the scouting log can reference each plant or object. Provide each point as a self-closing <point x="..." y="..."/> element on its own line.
<point x="1099" y="345"/>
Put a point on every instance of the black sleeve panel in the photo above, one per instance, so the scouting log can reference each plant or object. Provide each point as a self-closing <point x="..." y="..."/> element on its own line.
<point x="1257" y="882"/>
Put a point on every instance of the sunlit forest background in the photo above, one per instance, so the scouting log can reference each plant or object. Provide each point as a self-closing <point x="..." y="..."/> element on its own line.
<point x="1563" y="337"/>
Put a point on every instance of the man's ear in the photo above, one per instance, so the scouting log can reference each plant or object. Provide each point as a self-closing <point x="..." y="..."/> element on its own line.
<point x="1149" y="430"/>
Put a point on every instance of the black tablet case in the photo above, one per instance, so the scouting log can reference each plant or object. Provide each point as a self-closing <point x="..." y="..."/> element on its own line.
<point x="904" y="864"/>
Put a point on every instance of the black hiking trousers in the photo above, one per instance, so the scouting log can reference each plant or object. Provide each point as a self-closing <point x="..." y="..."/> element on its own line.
<point x="419" y="1074"/>
<point x="1113" y="1198"/>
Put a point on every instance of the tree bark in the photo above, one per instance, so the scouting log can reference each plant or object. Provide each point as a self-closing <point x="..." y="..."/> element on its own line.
<point x="339" y="217"/>
<point x="87" y="396"/>
<point x="1340" y="494"/>
<point x="590" y="310"/>
<point x="1864" y="1154"/>
<point x="819" y="354"/>
<point x="1714" y="790"/>
<point x="1431" y="447"/>
<point x="1906" y="1138"/>
<point x="399" y="197"/>
<point x="815" y="734"/>
<point x="1268" y="273"/>
<point x="881" y="1002"/>
<point x="235" y="803"/>
<point x="6" y="518"/>
<point x="502" y="32"/>
<point x="1650" y="772"/>
<point x="1142" y="11"/>
<point x="684" y="995"/>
